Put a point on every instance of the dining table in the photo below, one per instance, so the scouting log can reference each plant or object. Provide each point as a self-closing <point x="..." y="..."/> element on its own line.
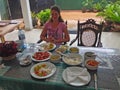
<point x="7" y="26"/>
<point x="106" y="77"/>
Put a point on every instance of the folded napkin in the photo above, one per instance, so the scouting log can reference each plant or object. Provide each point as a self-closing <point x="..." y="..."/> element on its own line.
<point x="79" y="75"/>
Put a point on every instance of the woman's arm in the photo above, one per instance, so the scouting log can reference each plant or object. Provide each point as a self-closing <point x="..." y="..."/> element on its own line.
<point x="66" y="36"/>
<point x="43" y="35"/>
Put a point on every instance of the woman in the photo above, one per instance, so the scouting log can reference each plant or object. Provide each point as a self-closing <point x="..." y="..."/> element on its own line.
<point x="55" y="30"/>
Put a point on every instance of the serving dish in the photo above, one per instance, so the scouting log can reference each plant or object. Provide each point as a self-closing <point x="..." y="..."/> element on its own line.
<point x="47" y="46"/>
<point x="55" y="58"/>
<point x="40" y="56"/>
<point x="4" y="23"/>
<point x="62" y="49"/>
<point x="91" y="64"/>
<point x="74" y="50"/>
<point x="72" y="59"/>
<point x="76" y="76"/>
<point x="43" y="70"/>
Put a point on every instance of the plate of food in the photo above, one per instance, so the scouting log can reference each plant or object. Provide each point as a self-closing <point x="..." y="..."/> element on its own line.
<point x="47" y="46"/>
<point x="72" y="59"/>
<point x="43" y="70"/>
<point x="76" y="76"/>
<point x="62" y="49"/>
<point x="40" y="56"/>
<point x="4" y="23"/>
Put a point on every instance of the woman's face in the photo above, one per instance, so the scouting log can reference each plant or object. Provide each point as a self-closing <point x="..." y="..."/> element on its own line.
<point x="55" y="15"/>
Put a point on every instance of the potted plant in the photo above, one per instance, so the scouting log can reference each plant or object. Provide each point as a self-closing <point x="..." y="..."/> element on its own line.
<point x="87" y="5"/>
<point x="43" y="16"/>
<point x="8" y="50"/>
<point x="111" y="16"/>
<point x="100" y="5"/>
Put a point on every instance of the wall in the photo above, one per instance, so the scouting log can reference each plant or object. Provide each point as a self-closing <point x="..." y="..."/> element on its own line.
<point x="38" y="5"/>
<point x="3" y="9"/>
<point x="72" y="4"/>
<point x="15" y="7"/>
<point x="69" y="4"/>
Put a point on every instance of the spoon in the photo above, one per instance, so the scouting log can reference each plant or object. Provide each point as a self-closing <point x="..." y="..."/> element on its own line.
<point x="63" y="54"/>
<point x="68" y="56"/>
<point x="95" y="79"/>
<point x="100" y="58"/>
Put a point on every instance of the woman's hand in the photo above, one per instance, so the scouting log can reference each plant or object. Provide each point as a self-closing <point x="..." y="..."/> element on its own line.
<point x="50" y="39"/>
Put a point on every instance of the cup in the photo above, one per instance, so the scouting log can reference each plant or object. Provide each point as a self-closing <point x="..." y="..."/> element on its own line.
<point x="19" y="44"/>
<point x="33" y="47"/>
<point x="89" y="55"/>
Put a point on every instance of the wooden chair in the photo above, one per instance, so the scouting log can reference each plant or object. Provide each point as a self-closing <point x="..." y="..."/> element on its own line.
<point x="88" y="34"/>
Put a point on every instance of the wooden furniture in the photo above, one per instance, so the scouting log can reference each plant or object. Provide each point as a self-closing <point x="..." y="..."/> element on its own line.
<point x="12" y="24"/>
<point x="88" y="33"/>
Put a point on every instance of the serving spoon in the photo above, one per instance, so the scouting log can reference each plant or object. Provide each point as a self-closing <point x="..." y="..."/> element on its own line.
<point x="68" y="56"/>
<point x="62" y="54"/>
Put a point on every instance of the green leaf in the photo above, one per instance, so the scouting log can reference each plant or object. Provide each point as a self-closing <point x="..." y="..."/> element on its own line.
<point x="43" y="15"/>
<point x="111" y="12"/>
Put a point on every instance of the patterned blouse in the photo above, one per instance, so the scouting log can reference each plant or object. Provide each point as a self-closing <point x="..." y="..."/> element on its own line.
<point x="57" y="32"/>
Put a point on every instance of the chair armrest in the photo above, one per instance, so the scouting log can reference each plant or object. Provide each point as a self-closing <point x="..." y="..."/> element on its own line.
<point x="64" y="43"/>
<point x="99" y="44"/>
<point x="72" y="41"/>
<point x="39" y="41"/>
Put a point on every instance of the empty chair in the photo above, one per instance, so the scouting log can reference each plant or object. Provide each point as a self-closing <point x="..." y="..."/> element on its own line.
<point x="88" y="34"/>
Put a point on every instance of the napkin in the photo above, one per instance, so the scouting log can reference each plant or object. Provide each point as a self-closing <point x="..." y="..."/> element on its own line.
<point x="73" y="75"/>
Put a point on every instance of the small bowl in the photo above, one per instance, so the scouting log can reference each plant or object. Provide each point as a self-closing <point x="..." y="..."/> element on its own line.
<point x="62" y="50"/>
<point x="55" y="58"/>
<point x="73" y="50"/>
<point x="25" y="60"/>
<point x="91" y="64"/>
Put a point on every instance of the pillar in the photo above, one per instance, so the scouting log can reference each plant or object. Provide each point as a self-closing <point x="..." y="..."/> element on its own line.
<point x="26" y="14"/>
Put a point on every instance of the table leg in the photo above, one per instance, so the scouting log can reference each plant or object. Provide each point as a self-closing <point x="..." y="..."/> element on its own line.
<point x="2" y="39"/>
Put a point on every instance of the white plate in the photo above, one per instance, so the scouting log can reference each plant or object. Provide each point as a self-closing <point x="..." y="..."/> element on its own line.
<point x="72" y="78"/>
<point x="51" y="66"/>
<point x="73" y="59"/>
<point x="40" y="56"/>
<point x="43" y="45"/>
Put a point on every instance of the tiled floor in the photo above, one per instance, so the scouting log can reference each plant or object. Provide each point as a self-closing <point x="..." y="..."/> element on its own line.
<point x="109" y="39"/>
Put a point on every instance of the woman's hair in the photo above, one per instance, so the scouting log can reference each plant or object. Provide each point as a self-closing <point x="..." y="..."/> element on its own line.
<point x="56" y="8"/>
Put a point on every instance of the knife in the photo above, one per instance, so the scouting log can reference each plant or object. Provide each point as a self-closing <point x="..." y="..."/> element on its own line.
<point x="95" y="79"/>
